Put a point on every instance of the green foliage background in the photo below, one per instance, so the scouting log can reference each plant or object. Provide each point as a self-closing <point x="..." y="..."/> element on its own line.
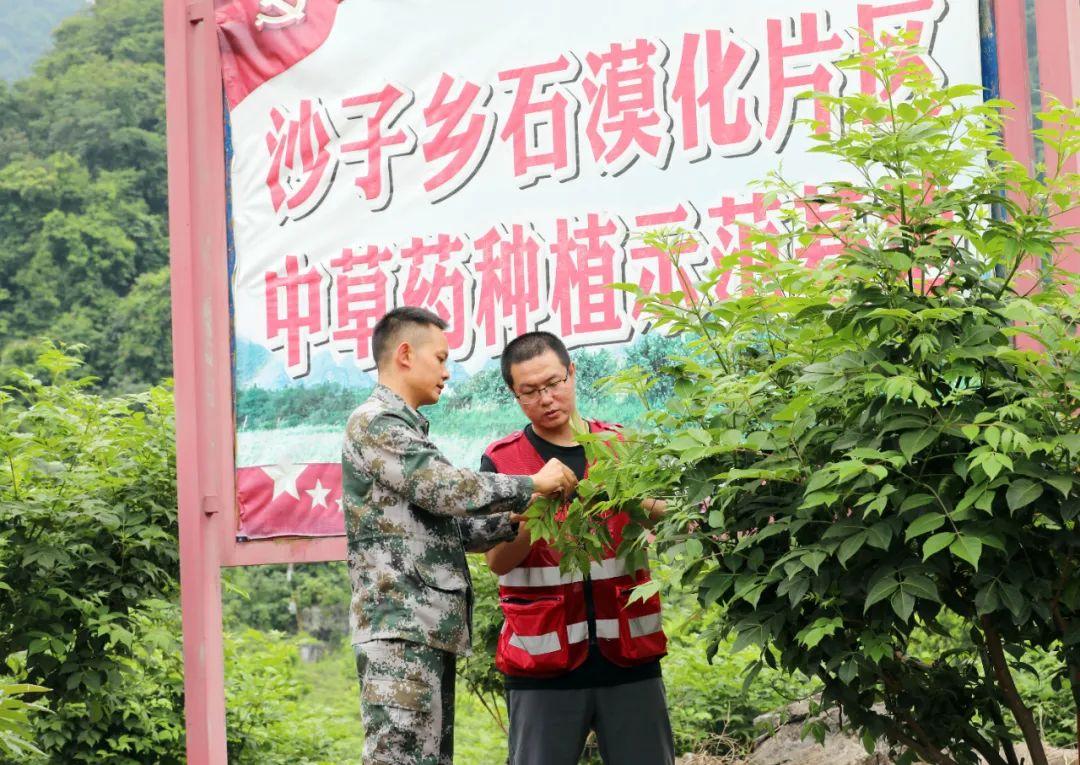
<point x="83" y="238"/>
<point x="87" y="514"/>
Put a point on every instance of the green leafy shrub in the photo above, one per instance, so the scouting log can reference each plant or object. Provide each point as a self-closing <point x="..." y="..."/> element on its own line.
<point x="313" y="600"/>
<point x="857" y="451"/>
<point x="271" y="718"/>
<point x="16" y="710"/>
<point x="87" y="535"/>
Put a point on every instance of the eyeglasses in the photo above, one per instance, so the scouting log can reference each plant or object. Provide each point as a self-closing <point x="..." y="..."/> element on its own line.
<point x="532" y="396"/>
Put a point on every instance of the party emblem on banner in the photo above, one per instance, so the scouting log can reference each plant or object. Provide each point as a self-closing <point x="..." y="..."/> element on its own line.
<point x="279" y="13"/>
<point x="260" y="39"/>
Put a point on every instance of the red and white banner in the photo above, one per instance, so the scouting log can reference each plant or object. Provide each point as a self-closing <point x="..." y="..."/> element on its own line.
<point x="493" y="162"/>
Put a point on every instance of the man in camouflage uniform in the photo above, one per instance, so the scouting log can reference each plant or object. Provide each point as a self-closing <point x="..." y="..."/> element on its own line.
<point x="410" y="516"/>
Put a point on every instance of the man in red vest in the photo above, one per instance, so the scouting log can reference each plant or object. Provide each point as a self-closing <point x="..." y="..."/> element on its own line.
<point x="576" y="653"/>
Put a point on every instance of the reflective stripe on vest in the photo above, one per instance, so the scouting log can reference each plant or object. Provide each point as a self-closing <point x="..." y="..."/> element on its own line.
<point x="606" y="629"/>
<point x="551" y="576"/>
<point x="536" y="645"/>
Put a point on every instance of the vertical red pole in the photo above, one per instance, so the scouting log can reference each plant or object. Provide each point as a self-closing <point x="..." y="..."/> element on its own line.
<point x="1014" y="81"/>
<point x="1057" y="23"/>
<point x="201" y="360"/>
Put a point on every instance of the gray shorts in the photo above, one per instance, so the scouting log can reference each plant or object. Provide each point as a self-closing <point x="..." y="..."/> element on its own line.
<point x="549" y="727"/>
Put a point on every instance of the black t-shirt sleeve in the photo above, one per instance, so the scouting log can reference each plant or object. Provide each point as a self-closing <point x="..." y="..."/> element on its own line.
<point x="486" y="465"/>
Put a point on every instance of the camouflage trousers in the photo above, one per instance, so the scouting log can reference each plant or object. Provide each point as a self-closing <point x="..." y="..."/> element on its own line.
<point x="406" y="703"/>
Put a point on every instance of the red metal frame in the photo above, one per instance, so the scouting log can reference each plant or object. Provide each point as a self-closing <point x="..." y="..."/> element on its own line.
<point x="201" y="332"/>
<point x="1057" y="24"/>
<point x="202" y="363"/>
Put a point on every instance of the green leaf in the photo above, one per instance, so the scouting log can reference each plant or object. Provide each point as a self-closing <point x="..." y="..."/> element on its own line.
<point x="850" y="546"/>
<point x="937" y="543"/>
<point x="1061" y="483"/>
<point x="921" y="587"/>
<point x="924" y="524"/>
<point x="820" y="480"/>
<point x="869" y="742"/>
<point x="880" y="535"/>
<point x="915" y="500"/>
<point x="1071" y="441"/>
<point x="903" y="603"/>
<point x="814" y="559"/>
<point x="884" y="587"/>
<point x="819" y="630"/>
<point x="968" y="548"/>
<point x="1022" y="492"/>
<point x="1013" y="599"/>
<point x="986" y="599"/>
<point x="913" y="442"/>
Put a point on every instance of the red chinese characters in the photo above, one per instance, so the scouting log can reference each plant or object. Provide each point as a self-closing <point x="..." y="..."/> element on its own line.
<point x="436" y="278"/>
<point x="800" y="59"/>
<point x="363" y="292"/>
<point x="715" y="110"/>
<point x="732" y="236"/>
<point x="916" y="18"/>
<point x="588" y="257"/>
<point x="459" y="130"/>
<point x="542" y="124"/>
<point x="512" y="285"/>
<point x="296" y="312"/>
<point x="725" y="98"/>
<point x="374" y="141"/>
<point x="625" y="90"/>
<point x="303" y="160"/>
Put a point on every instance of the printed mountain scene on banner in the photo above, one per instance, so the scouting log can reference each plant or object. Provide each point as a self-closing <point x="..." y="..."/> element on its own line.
<point x="501" y="179"/>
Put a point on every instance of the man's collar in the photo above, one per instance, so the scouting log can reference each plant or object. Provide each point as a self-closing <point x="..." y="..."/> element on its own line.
<point x="391" y="399"/>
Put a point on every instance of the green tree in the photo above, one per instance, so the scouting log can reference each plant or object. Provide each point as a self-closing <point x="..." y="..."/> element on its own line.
<point x="71" y="245"/>
<point x="862" y="453"/>
<point x="140" y="333"/>
<point x="100" y="94"/>
<point x="83" y="195"/>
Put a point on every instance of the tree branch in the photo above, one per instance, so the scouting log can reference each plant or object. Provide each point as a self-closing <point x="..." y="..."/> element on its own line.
<point x="1004" y="677"/>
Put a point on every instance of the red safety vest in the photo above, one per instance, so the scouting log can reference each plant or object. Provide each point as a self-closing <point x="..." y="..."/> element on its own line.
<point x="546" y="632"/>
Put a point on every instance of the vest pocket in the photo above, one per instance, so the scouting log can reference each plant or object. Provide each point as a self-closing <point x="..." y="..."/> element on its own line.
<point x="641" y="631"/>
<point x="533" y="640"/>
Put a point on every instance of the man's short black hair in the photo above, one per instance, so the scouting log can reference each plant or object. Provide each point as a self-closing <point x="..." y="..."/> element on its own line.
<point x="390" y="325"/>
<point x="529" y="346"/>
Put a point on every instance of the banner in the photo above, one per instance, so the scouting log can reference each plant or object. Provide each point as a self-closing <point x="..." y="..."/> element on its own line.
<point x="495" y="162"/>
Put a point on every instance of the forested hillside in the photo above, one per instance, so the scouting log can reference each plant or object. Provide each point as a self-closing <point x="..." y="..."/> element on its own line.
<point x="83" y="240"/>
<point x="26" y="32"/>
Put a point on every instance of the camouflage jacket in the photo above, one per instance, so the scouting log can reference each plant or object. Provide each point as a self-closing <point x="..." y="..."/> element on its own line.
<point x="410" y="516"/>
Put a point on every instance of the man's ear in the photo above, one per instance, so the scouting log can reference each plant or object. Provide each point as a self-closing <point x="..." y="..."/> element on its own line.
<point x="403" y="355"/>
<point x="572" y="370"/>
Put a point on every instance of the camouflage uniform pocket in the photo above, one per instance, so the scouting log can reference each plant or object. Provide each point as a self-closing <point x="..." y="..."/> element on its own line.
<point x="442" y="578"/>
<point x="397" y="693"/>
